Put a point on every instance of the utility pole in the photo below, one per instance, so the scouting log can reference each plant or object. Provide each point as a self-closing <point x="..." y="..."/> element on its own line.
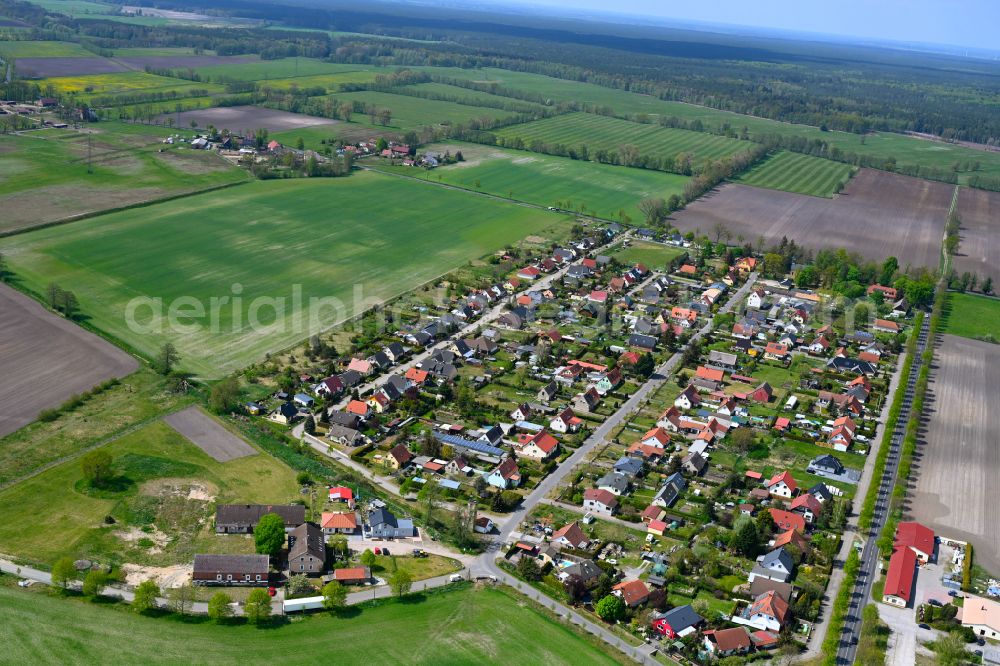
<point x="90" y="167"/>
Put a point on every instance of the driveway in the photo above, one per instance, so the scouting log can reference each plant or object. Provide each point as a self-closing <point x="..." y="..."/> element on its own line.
<point x="905" y="636"/>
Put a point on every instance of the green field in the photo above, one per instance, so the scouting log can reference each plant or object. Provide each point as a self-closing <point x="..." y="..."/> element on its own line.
<point x="598" y="189"/>
<point x="281" y="69"/>
<point x="290" y="239"/>
<point x="606" y="133"/>
<point x="653" y="255"/>
<point x="906" y="149"/>
<point x="795" y="172"/>
<point x="53" y="514"/>
<point x="413" y="112"/>
<point x="43" y="50"/>
<point x="44" y="178"/>
<point x="463" y="626"/>
<point x="971" y="316"/>
<point x="474" y="96"/>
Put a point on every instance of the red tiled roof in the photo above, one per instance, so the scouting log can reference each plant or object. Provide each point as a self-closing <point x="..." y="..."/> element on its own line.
<point x="915" y="535"/>
<point x="339" y="521"/>
<point x="899" y="577"/>
<point x="634" y="592"/>
<point x="605" y="497"/>
<point x="786" y="477"/>
<point x="788" y="520"/>
<point x="711" y="374"/>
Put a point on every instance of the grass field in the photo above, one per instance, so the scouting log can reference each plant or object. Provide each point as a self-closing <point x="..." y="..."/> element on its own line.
<point x="603" y="132"/>
<point x="599" y="189"/>
<point x="470" y="95"/>
<point x="463" y="626"/>
<point x="971" y="316"/>
<point x="139" y="397"/>
<point x="43" y="50"/>
<point x="906" y="149"/>
<point x="282" y="69"/>
<point x="44" y="178"/>
<point x="653" y="255"/>
<point x="412" y="112"/>
<point x="331" y="82"/>
<point x="359" y="239"/>
<point x="53" y="514"/>
<point x="794" y="172"/>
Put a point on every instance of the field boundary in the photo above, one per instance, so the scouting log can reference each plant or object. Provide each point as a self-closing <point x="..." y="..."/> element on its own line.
<point x="139" y="204"/>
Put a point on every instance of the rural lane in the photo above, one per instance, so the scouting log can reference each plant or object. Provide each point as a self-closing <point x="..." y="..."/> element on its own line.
<point x="851" y="633"/>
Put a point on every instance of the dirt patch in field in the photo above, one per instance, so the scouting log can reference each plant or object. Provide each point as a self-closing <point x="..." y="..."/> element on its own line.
<point x="957" y="461"/>
<point x="208" y="434"/>
<point x="165" y="577"/>
<point x="240" y="118"/>
<point x="134" y="535"/>
<point x="979" y="251"/>
<point x="183" y="488"/>
<point x="192" y="161"/>
<point x="45" y="67"/>
<point x="184" y="61"/>
<point x="58" y="202"/>
<point x="45" y="359"/>
<point x="879" y="214"/>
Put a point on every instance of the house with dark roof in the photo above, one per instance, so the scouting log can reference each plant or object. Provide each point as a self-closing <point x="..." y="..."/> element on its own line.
<point x="775" y="565"/>
<point x="677" y="622"/>
<point x="231" y="570"/>
<point x="383" y="525"/>
<point x="306" y="550"/>
<point x="243" y="518"/>
<point x="670" y="490"/>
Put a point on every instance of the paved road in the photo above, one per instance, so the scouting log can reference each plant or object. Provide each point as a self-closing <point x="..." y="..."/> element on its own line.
<point x="822" y="625"/>
<point x="851" y="633"/>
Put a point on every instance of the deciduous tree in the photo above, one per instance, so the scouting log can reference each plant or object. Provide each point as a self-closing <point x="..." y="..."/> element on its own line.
<point x="257" y="607"/>
<point x="334" y="596"/>
<point x="269" y="534"/>
<point x="400" y="582"/>
<point x="146" y="594"/>
<point x="219" y="608"/>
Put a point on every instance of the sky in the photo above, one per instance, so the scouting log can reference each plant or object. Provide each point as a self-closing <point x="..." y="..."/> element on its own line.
<point x="965" y="23"/>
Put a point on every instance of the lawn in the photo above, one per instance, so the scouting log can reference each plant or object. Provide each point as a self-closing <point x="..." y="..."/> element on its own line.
<point x="463" y="626"/>
<point x="44" y="175"/>
<point x="139" y="397"/>
<point x="599" y="189"/>
<point x="972" y="316"/>
<point x="43" y="50"/>
<point x="574" y="130"/>
<point x="795" y="172"/>
<point x="413" y="112"/>
<point x="419" y="568"/>
<point x="653" y="255"/>
<point x="54" y="513"/>
<point x="348" y="243"/>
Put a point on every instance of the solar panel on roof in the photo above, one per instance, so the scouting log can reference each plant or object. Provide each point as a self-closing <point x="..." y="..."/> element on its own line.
<point x="469" y="444"/>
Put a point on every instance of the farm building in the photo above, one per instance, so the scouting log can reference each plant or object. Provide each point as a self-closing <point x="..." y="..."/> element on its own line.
<point x="231" y="570"/>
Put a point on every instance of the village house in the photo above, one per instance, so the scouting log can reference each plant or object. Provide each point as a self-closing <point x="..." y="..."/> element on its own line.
<point x="632" y="592"/>
<point x="726" y="642"/>
<point x="306" y="550"/>
<point x="506" y="475"/>
<point x="339" y="523"/>
<point x="918" y="538"/>
<point x="807" y="506"/>
<point x="677" y="622"/>
<point x="600" y="500"/>
<point x="233" y="570"/>
<point x="570" y="535"/>
<point x="775" y="565"/>
<point x="670" y="490"/>
<point x="566" y="422"/>
<point x="540" y="446"/>
<point x="768" y="611"/>
<point x="786" y="520"/>
<point x="398" y="457"/>
<point x="688" y="398"/>
<point x="982" y="615"/>
<point x="243" y="518"/>
<point x="898" y="588"/>
<point x="352" y="575"/>
<point x="782" y="485"/>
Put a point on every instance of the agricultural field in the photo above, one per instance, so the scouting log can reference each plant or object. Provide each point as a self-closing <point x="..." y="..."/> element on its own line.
<point x="45" y="359"/>
<point x="603" y="190"/>
<point x="179" y="61"/>
<point x="44" y="178"/>
<point x="906" y="149"/>
<point x="330" y="82"/>
<point x="959" y="460"/>
<point x="413" y="112"/>
<point x="137" y="399"/>
<point x="205" y="432"/>
<point x="41" y="49"/>
<point x="263" y="70"/>
<point x="803" y="174"/>
<point x="247" y="118"/>
<point x="40" y="68"/>
<point x="655" y="256"/>
<point x="972" y="316"/>
<point x="101" y="85"/>
<point x="450" y="627"/>
<point x="471" y="96"/>
<point x="346" y="239"/>
<point x="606" y="133"/>
<point x="979" y="250"/>
<point x="910" y="214"/>
<point x="163" y="492"/>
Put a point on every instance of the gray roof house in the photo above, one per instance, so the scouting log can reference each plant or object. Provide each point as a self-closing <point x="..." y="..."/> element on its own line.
<point x="629" y="466"/>
<point x="776" y="565"/>
<point x="231" y="570"/>
<point x="242" y="518"/>
<point x="614" y="483"/>
<point x="826" y="464"/>
<point x="384" y="525"/>
<point x="306" y="550"/>
<point x="670" y="490"/>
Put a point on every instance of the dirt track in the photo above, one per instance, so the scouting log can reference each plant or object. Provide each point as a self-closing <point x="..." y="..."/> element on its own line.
<point x="878" y="215"/>
<point x="979" y="251"/>
<point x="45" y="359"/>
<point x="956" y="467"/>
<point x="208" y="435"/>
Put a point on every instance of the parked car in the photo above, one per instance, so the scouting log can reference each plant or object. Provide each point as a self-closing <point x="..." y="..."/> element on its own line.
<point x="455" y="578"/>
<point x="923" y="626"/>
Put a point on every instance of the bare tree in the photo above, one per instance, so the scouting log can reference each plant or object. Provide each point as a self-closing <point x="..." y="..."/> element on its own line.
<point x="655" y="210"/>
